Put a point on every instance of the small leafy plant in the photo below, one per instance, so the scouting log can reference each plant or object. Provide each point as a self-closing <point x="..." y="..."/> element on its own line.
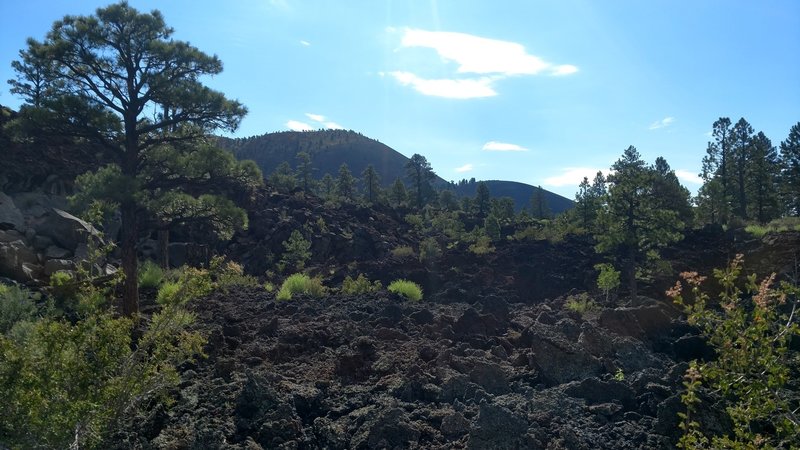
<point x="297" y="251"/>
<point x="300" y="283"/>
<point x="608" y="279"/>
<point x="361" y="285"/>
<point x="580" y="303"/>
<point x="750" y="329"/>
<point x="407" y="289"/>
<point x="150" y="275"/>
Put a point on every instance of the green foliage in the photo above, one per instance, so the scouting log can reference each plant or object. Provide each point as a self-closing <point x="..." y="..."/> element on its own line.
<point x="184" y="285"/>
<point x="300" y="283"/>
<point x="750" y="329"/>
<point x="429" y="249"/>
<point x="16" y="305"/>
<point x="420" y="174"/>
<point x="229" y="273"/>
<point x="63" y="287"/>
<point x="282" y="178"/>
<point x="775" y="226"/>
<point x="361" y="285"/>
<point x="608" y="278"/>
<point x="345" y="184"/>
<point x="482" y="245"/>
<point x="619" y="375"/>
<point x="416" y="221"/>
<point x="70" y="383"/>
<point x="581" y="304"/>
<point x="297" y="251"/>
<point x="492" y="227"/>
<point x="150" y="275"/>
<point x="403" y="252"/>
<point x="407" y="289"/>
<point x="539" y="206"/>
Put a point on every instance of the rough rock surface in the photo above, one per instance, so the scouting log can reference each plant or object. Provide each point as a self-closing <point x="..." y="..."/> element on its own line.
<point x="377" y="372"/>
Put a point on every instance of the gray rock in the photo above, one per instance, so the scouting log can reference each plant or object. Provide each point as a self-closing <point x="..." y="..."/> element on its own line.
<point x="10" y="216"/>
<point x="497" y="428"/>
<point x="13" y="255"/>
<point x="11" y="236"/>
<point x="65" y="229"/>
<point x="41" y="242"/>
<point x="54" y="252"/>
<point x="52" y="266"/>
<point x="454" y="425"/>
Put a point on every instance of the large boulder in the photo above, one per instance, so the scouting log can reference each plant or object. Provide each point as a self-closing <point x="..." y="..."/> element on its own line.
<point x="10" y="216"/>
<point x="18" y="261"/>
<point x="64" y="229"/>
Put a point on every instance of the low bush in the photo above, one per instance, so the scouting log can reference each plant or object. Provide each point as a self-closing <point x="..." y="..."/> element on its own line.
<point x="16" y="305"/>
<point x="580" y="303"/>
<point x="183" y="285"/>
<point x="300" y="283"/>
<point x="407" y="289"/>
<point x="403" y="252"/>
<point x="150" y="275"/>
<point x="230" y="273"/>
<point x="361" y="285"/>
<point x="429" y="250"/>
<point x="482" y="245"/>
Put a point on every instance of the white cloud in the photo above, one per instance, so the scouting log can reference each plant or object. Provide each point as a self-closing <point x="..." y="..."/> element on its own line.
<point x="688" y="176"/>
<point x="465" y="168"/>
<point x="564" y="69"/>
<point x="475" y="54"/>
<point x="305" y="43"/>
<point x="316" y="117"/>
<point x="294" y="125"/>
<point x="448" y="88"/>
<point x="571" y="176"/>
<point x="493" y="146"/>
<point x="665" y="122"/>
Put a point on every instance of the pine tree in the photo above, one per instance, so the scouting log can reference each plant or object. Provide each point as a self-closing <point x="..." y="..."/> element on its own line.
<point x="482" y="199"/>
<point x="283" y="178"/>
<point x="125" y="83"/>
<point x="762" y="187"/>
<point x="345" y="184"/>
<point x="372" y="183"/>
<point x="304" y="171"/>
<point x="420" y="174"/>
<point x="398" y="195"/>
<point x="635" y="222"/>
<point x="327" y="187"/>
<point x="716" y="167"/>
<point x="741" y="137"/>
<point x="790" y="172"/>
<point x="539" y="208"/>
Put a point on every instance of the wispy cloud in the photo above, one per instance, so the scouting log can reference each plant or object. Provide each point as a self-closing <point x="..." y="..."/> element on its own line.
<point x="689" y="177"/>
<point x="476" y="54"/>
<point x="481" y="62"/>
<point x="571" y="176"/>
<point x="316" y="117"/>
<point x="665" y="122"/>
<point x="295" y="125"/>
<point x="465" y="168"/>
<point x="319" y="120"/>
<point x="494" y="146"/>
<point x="448" y="88"/>
<point x="305" y="43"/>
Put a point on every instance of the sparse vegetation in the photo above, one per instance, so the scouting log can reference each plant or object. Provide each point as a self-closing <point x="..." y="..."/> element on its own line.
<point x="16" y="306"/>
<point x="150" y="275"/>
<point x="361" y="285"/>
<point x="407" y="289"/>
<point x="429" y="249"/>
<point x="300" y="283"/>
<point x="608" y="278"/>
<point x="581" y="304"/>
<point x="403" y="252"/>
<point x="297" y="251"/>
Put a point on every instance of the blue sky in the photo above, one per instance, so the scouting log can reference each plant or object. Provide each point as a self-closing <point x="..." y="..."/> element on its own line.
<point x="531" y="91"/>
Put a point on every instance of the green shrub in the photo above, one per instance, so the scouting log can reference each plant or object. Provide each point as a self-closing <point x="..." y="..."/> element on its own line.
<point x="150" y="275"/>
<point x="184" y="285"/>
<point x="16" y="305"/>
<point x="361" y="285"/>
<point x="170" y="293"/>
<point x="230" y="273"/>
<point x="64" y="289"/>
<point x="300" y="283"/>
<point x="429" y="249"/>
<point x="608" y="279"/>
<point x="403" y="252"/>
<point x="407" y="289"/>
<point x="580" y="303"/>
<point x="297" y="251"/>
<point x="482" y="245"/>
<point x="750" y="329"/>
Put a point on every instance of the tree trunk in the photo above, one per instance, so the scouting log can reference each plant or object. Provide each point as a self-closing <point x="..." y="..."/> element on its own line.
<point x="631" y="269"/>
<point x="163" y="248"/>
<point x="130" y="294"/>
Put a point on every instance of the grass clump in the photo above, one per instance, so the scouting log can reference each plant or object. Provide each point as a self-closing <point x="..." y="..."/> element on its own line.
<point x="150" y="275"/>
<point x="407" y="289"/>
<point x="403" y="252"/>
<point x="361" y="285"/>
<point x="300" y="283"/>
<point x="580" y="303"/>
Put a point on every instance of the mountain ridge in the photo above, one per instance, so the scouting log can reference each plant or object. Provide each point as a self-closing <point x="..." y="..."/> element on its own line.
<point x="328" y="149"/>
